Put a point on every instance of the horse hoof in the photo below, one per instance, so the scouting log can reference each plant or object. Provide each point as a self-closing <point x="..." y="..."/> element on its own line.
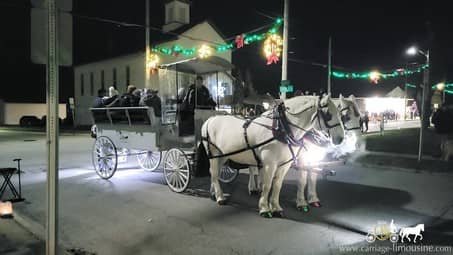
<point x="222" y="202"/>
<point x="303" y="208"/>
<point x="213" y="197"/>
<point x="315" y="204"/>
<point x="266" y="215"/>
<point x="254" y="193"/>
<point x="278" y="214"/>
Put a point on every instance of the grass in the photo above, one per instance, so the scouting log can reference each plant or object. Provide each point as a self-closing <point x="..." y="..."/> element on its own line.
<point x="404" y="141"/>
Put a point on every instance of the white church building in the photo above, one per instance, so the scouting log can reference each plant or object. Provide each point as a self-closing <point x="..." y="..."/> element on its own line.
<point x="130" y="69"/>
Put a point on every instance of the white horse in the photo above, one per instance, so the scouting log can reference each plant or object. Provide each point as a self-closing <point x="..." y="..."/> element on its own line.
<point x="350" y="116"/>
<point x="405" y="232"/>
<point x="260" y="143"/>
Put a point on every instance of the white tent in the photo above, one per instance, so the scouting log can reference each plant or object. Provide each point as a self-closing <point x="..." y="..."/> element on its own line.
<point x="397" y="92"/>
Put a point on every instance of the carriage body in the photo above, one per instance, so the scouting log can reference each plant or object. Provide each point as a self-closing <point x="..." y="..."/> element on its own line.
<point x="137" y="131"/>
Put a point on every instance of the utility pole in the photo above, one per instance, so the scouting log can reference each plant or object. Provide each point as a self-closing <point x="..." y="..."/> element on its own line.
<point x="426" y="87"/>
<point x="147" y="47"/>
<point x="329" y="68"/>
<point x="52" y="129"/>
<point x="285" y="46"/>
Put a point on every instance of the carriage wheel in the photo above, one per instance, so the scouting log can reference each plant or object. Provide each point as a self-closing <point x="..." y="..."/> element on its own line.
<point x="104" y="157"/>
<point x="228" y="174"/>
<point x="177" y="170"/>
<point x="149" y="160"/>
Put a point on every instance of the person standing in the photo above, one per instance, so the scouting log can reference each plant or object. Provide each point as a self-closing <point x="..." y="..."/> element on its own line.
<point x="366" y="120"/>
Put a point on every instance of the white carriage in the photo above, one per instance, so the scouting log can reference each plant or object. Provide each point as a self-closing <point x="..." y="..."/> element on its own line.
<point x="137" y="131"/>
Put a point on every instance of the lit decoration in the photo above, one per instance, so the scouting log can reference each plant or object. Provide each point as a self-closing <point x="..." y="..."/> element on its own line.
<point x="204" y="51"/>
<point x="153" y="62"/>
<point x="6" y="209"/>
<point x="366" y="75"/>
<point x="434" y="87"/>
<point x="273" y="48"/>
<point x="239" y="41"/>
<point x="374" y="77"/>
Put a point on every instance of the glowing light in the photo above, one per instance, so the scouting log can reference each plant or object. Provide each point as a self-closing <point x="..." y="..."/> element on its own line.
<point x="380" y="104"/>
<point x="375" y="76"/>
<point x="204" y="51"/>
<point x="273" y="48"/>
<point x="412" y="51"/>
<point x="314" y="154"/>
<point x="440" y="86"/>
<point x="153" y="61"/>
<point x="6" y="209"/>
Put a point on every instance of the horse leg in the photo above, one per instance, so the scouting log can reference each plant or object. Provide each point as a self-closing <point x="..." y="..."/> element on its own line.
<point x="268" y="175"/>
<point x="312" y="195"/>
<point x="277" y="182"/>
<point x="254" y="181"/>
<point x="216" y="190"/>
<point x="301" y="203"/>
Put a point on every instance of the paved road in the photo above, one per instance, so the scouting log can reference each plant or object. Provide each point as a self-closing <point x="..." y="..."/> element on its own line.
<point x="136" y="213"/>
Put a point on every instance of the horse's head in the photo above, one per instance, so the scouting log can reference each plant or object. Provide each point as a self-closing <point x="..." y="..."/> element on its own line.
<point x="319" y="113"/>
<point x="327" y="119"/>
<point x="349" y="113"/>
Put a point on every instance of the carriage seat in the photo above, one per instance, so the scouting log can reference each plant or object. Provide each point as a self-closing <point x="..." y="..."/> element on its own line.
<point x="124" y="115"/>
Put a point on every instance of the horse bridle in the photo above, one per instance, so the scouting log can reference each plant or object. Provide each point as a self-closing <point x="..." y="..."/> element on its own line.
<point x="346" y="118"/>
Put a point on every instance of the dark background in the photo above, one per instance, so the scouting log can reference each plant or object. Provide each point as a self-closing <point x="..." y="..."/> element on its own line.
<point x="366" y="35"/>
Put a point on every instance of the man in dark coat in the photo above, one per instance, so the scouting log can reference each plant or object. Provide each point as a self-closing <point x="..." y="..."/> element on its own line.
<point x="197" y="96"/>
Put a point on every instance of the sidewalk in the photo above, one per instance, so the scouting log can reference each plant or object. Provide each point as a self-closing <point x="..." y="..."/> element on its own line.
<point x="14" y="239"/>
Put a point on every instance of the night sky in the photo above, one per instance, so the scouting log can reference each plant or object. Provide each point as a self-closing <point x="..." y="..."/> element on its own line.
<point x="366" y="35"/>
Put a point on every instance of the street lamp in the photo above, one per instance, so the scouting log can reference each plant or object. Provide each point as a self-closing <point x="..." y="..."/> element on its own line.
<point x="412" y="51"/>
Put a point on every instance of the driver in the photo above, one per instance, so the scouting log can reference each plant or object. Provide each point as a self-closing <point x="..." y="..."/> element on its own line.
<point x="197" y="97"/>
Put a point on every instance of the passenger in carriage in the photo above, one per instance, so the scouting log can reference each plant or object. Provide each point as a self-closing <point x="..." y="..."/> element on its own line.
<point x="129" y="99"/>
<point x="113" y="99"/>
<point x="99" y="101"/>
<point x="150" y="98"/>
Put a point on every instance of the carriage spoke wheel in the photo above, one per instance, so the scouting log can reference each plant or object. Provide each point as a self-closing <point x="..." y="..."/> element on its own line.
<point x="104" y="157"/>
<point x="149" y="160"/>
<point x="228" y="174"/>
<point x="176" y="170"/>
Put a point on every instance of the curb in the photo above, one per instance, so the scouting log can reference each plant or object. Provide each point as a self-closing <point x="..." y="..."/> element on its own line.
<point x="37" y="230"/>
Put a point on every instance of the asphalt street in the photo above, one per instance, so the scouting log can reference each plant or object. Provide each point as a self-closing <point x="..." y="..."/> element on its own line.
<point x="135" y="212"/>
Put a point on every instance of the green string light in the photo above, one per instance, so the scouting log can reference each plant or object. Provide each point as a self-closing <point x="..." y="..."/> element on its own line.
<point x="434" y="87"/>
<point x="366" y="75"/>
<point x="248" y="39"/>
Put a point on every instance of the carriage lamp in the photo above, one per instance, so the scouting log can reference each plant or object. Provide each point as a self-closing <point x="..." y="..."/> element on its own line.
<point x="6" y="209"/>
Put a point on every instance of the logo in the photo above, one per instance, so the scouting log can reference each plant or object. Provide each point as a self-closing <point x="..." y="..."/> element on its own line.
<point x="416" y="231"/>
<point x="383" y="231"/>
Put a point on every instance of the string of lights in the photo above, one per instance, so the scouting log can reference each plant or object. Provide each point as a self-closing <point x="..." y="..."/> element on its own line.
<point x="434" y="87"/>
<point x="374" y="76"/>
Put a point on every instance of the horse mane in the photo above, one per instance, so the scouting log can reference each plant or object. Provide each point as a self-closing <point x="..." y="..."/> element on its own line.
<point x="299" y="104"/>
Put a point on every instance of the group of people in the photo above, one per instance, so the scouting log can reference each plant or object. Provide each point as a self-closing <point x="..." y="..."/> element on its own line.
<point x="133" y="97"/>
